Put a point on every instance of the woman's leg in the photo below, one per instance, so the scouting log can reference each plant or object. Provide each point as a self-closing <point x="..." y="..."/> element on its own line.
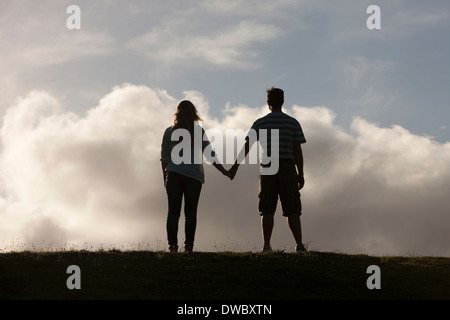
<point x="174" y="189"/>
<point x="191" y="197"/>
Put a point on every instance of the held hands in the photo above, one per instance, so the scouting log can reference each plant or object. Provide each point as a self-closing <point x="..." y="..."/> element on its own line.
<point x="231" y="173"/>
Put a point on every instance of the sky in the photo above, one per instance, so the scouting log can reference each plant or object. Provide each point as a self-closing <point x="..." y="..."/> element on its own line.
<point x="83" y="112"/>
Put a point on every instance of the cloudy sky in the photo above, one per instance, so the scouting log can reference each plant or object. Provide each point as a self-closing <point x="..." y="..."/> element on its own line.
<point x="83" y="113"/>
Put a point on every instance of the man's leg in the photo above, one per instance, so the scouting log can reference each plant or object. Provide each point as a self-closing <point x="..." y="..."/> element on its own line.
<point x="290" y="201"/>
<point x="268" y="198"/>
<point x="296" y="228"/>
<point x="267" y="227"/>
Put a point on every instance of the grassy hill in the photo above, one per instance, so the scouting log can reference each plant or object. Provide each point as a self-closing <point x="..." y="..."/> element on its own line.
<point x="153" y="275"/>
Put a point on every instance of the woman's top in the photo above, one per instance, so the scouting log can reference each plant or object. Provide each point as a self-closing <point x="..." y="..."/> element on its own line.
<point x="185" y="156"/>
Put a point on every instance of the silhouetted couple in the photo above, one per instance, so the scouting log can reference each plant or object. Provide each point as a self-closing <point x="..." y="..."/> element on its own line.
<point x="185" y="178"/>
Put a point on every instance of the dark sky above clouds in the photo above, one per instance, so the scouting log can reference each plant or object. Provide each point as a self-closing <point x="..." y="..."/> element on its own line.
<point x="83" y="113"/>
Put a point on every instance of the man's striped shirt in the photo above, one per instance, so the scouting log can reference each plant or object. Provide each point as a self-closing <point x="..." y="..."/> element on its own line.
<point x="290" y="133"/>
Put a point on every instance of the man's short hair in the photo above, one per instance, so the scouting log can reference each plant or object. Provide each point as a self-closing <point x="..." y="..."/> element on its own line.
<point x="275" y="97"/>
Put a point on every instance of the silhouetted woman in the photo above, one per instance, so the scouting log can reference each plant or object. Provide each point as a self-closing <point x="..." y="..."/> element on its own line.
<point x="183" y="171"/>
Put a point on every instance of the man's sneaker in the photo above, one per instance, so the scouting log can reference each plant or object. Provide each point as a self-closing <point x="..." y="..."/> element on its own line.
<point x="188" y="249"/>
<point x="267" y="248"/>
<point x="173" y="249"/>
<point x="300" y="248"/>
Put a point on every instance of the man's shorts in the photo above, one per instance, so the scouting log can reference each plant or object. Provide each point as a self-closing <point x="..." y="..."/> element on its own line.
<point x="285" y="184"/>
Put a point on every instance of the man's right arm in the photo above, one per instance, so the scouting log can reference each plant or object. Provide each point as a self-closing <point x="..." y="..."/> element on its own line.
<point x="241" y="155"/>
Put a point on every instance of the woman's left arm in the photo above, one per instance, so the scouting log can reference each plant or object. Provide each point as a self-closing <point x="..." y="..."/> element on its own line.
<point x="165" y="153"/>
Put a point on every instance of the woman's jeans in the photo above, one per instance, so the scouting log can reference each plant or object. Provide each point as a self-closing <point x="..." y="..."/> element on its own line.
<point x="178" y="185"/>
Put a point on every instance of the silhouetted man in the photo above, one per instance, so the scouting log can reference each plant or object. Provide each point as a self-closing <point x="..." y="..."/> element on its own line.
<point x="289" y="179"/>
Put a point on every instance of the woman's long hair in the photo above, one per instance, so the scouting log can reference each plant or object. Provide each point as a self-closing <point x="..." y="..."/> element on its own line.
<point x="185" y="116"/>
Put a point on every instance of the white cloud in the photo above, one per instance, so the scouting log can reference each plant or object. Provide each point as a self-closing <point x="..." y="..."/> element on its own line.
<point x="230" y="47"/>
<point x="96" y="179"/>
<point x="225" y="34"/>
<point x="376" y="190"/>
<point x="80" y="44"/>
<point x="83" y="173"/>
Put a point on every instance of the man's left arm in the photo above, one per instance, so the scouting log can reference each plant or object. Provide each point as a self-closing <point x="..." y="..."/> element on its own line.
<point x="298" y="153"/>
